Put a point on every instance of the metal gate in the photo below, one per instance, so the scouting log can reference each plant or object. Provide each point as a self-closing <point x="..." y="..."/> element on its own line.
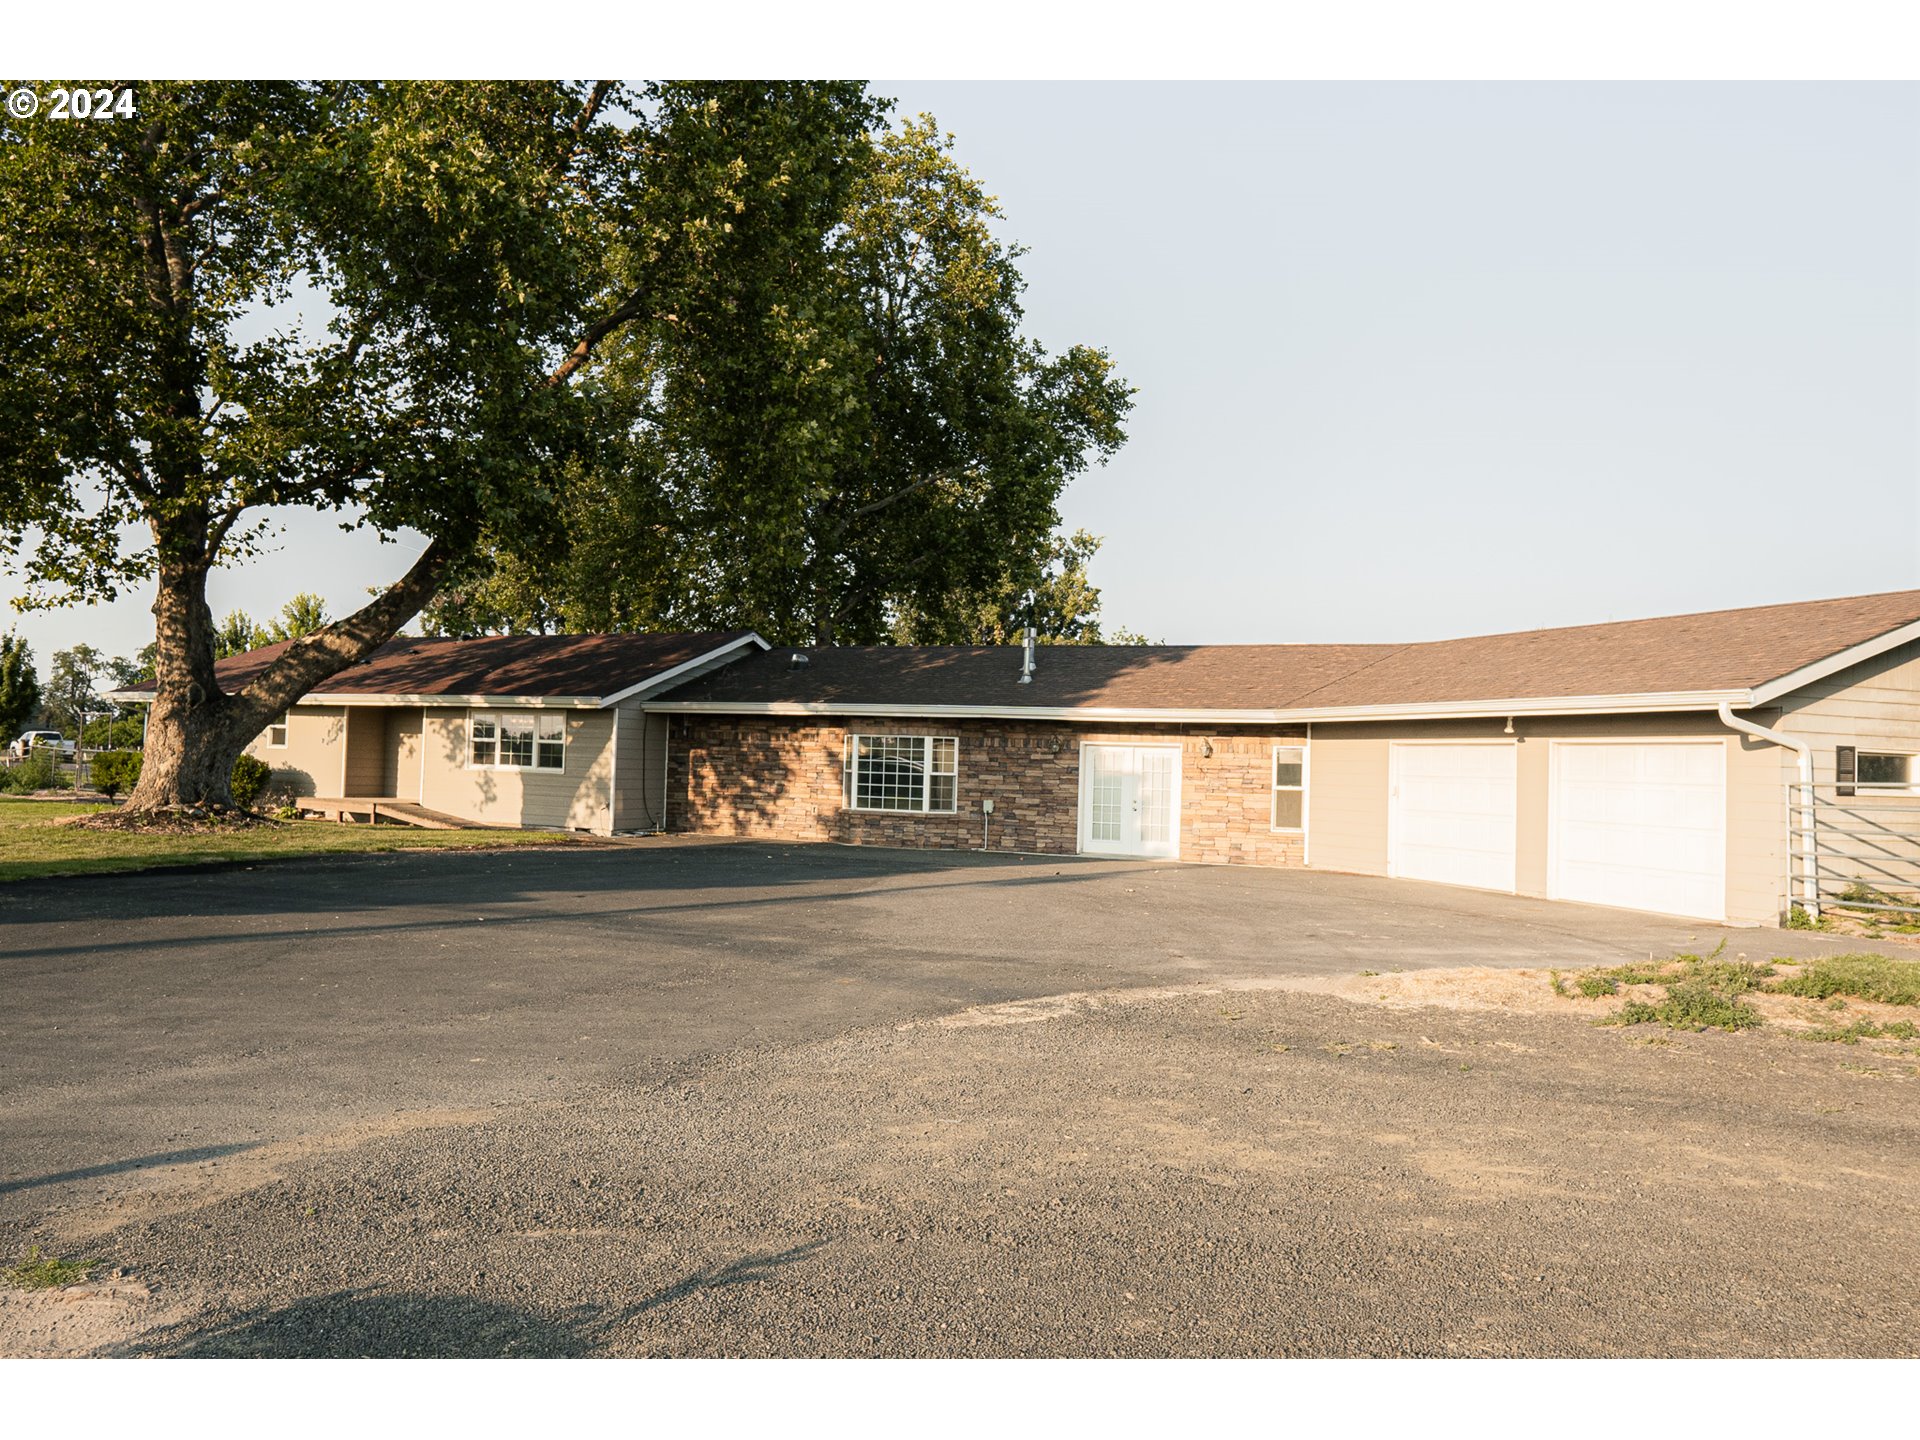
<point x="1857" y="851"/>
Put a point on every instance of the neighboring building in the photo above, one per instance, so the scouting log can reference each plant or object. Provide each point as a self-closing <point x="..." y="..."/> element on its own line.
<point x="1613" y="764"/>
<point x="548" y="731"/>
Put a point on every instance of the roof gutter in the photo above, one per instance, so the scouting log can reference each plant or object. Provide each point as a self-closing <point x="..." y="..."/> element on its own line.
<point x="1701" y="700"/>
<point x="1809" y="863"/>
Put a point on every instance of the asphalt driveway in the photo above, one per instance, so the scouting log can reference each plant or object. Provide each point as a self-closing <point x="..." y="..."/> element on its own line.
<point x="667" y="1067"/>
<point x="160" y="1013"/>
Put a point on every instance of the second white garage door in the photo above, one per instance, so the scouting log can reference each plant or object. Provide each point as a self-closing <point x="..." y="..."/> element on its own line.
<point x="1451" y="815"/>
<point x="1640" y="826"/>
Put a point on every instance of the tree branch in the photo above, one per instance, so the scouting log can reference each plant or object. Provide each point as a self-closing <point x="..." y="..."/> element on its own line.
<point x="631" y="309"/>
<point x="332" y="648"/>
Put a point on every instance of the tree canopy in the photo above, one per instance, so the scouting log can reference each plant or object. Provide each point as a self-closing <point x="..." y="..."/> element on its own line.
<point x="472" y="248"/>
<point x="858" y="445"/>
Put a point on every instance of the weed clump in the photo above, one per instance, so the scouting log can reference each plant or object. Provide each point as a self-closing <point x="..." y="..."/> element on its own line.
<point x="47" y="1272"/>
<point x="1864" y="977"/>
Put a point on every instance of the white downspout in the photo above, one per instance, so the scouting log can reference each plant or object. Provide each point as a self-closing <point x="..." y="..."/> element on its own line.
<point x="1809" y="872"/>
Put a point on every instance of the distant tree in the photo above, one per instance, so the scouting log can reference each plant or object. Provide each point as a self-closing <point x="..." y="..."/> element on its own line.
<point x="302" y="615"/>
<point x="19" y="685"/>
<point x="236" y="635"/>
<point x="72" y="687"/>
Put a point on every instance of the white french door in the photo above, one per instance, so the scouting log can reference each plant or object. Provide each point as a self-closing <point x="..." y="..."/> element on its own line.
<point x="1130" y="800"/>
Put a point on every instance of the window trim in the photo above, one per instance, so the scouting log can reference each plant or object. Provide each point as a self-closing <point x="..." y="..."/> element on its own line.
<point x="1274" y="787"/>
<point x="850" y="772"/>
<point x="498" y="718"/>
<point x="285" y="726"/>
<point x="1883" y="787"/>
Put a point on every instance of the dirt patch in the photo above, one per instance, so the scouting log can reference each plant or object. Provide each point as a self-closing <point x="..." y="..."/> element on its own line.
<point x="80" y="1319"/>
<point x="195" y="821"/>
<point x="1532" y="992"/>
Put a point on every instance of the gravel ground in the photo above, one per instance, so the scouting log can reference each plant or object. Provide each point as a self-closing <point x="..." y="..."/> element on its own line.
<point x="1149" y="1172"/>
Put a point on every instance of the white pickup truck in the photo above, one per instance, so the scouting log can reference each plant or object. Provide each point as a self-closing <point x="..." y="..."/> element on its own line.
<point x="40" y="740"/>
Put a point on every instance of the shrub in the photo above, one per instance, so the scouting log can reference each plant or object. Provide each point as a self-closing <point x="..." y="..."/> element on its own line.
<point x="114" y="770"/>
<point x="39" y="771"/>
<point x="250" y="777"/>
<point x="1593" y="986"/>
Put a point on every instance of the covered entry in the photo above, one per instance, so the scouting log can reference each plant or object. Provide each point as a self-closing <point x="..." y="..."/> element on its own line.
<point x="1641" y="825"/>
<point x="1130" y="800"/>
<point x="1451" y="813"/>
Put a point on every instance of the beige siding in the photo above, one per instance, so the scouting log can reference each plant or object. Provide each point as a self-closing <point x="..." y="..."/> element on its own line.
<point x="640" y="769"/>
<point x="309" y="763"/>
<point x="1875" y="706"/>
<point x="1347" y="799"/>
<point x="1350" y="802"/>
<point x="580" y="797"/>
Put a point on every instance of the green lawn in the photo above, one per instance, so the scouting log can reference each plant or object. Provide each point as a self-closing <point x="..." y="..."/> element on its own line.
<point x="32" y="844"/>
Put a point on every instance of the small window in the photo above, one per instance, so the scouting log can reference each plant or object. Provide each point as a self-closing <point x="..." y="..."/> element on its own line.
<point x="277" y="732"/>
<point x="485" y="740"/>
<point x="1883" y="771"/>
<point x="550" y="742"/>
<point x="903" y="772"/>
<point x="1289" y="787"/>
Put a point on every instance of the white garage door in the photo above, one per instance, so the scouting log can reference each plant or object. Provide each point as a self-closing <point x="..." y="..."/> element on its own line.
<point x="1452" y="814"/>
<point x="1641" y="826"/>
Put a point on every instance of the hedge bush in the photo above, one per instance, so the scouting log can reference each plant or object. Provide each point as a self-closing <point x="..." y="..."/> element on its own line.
<point x="114" y="770"/>
<point x="250" y="777"/>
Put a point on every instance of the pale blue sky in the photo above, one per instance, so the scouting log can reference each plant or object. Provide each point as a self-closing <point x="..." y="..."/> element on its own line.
<point x="1427" y="360"/>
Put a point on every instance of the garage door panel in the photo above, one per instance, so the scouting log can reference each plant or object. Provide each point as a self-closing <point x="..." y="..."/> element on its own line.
<point x="1453" y="814"/>
<point x="1641" y="826"/>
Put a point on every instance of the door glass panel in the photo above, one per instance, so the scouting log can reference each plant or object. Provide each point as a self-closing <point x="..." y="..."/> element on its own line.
<point x="1156" y="797"/>
<point x="1103" y="821"/>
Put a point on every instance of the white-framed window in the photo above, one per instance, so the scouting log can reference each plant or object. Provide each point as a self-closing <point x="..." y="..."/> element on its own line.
<point x="1289" y="787"/>
<point x="903" y="772"/>
<point x="1884" y="770"/>
<point x="277" y="732"/>
<point x="516" y="740"/>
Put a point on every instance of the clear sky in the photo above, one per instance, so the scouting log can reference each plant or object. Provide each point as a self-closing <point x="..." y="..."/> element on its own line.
<point x="1427" y="360"/>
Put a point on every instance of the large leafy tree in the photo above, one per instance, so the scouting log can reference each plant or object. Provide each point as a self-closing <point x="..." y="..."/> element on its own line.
<point x="473" y="248"/>
<point x="859" y="444"/>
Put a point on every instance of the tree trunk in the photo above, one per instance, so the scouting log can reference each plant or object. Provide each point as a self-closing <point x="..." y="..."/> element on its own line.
<point x="195" y="731"/>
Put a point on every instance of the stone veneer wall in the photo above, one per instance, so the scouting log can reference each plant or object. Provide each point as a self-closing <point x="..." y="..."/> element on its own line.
<point x="775" y="778"/>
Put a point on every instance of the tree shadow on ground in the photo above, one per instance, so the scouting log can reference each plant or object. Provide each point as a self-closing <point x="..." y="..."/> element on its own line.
<point x="142" y="1162"/>
<point x="367" y="1323"/>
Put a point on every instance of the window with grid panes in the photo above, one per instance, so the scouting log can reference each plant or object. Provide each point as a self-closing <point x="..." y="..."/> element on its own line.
<point x="915" y="773"/>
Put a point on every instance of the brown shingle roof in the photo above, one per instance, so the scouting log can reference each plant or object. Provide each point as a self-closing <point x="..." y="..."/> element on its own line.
<point x="1725" y="650"/>
<point x="533" y="666"/>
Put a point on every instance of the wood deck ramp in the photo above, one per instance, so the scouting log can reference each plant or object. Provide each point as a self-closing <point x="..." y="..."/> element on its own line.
<point x="376" y="809"/>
